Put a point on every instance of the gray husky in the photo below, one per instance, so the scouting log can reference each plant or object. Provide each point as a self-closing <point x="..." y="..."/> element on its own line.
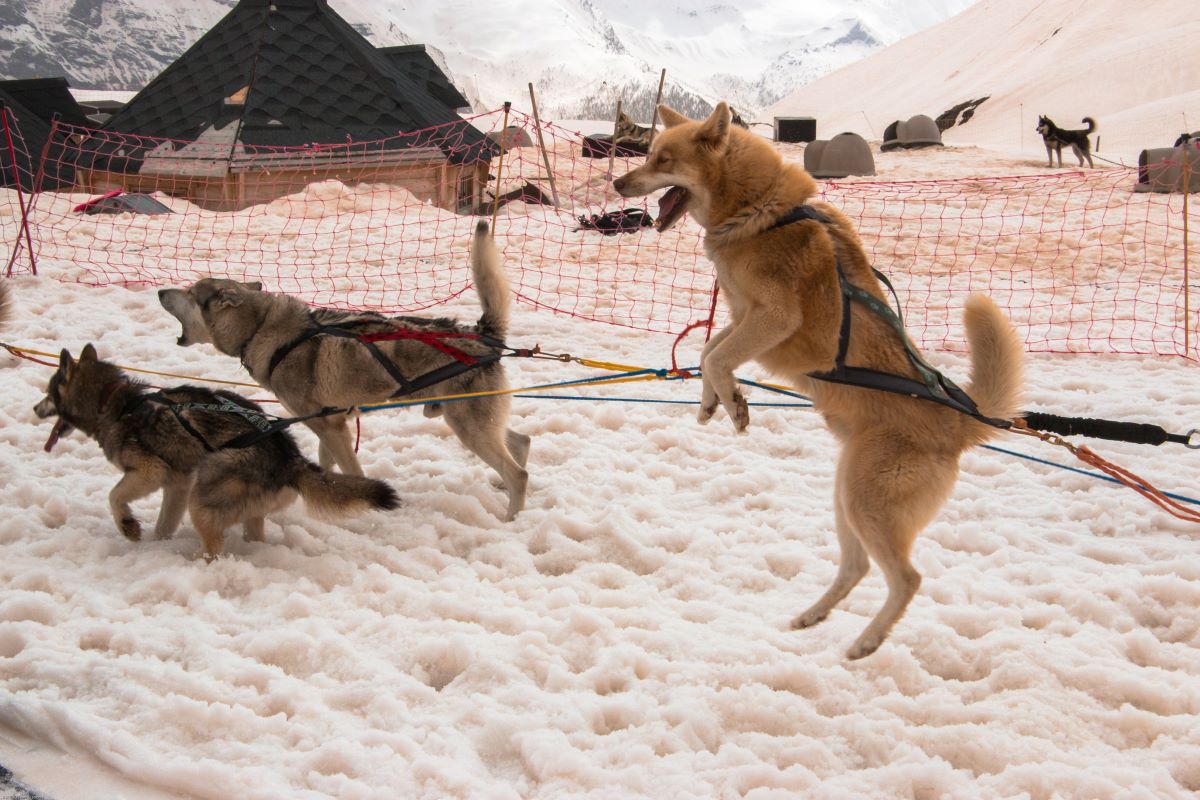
<point x="1055" y="138"/>
<point x="209" y="451"/>
<point x="313" y="359"/>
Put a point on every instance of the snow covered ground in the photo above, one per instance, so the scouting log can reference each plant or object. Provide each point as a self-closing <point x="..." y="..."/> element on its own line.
<point x="1130" y="66"/>
<point x="627" y="635"/>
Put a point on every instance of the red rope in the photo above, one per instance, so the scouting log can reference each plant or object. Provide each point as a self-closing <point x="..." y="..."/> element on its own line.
<point x="1138" y="484"/>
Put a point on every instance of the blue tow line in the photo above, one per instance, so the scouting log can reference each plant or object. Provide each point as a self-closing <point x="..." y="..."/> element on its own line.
<point x="667" y="375"/>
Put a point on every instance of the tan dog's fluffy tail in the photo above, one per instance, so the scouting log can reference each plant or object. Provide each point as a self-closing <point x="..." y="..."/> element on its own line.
<point x="997" y="363"/>
<point x="5" y="304"/>
<point x="326" y="493"/>
<point x="490" y="284"/>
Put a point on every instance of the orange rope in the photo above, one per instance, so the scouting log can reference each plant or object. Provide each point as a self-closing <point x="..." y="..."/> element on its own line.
<point x="1117" y="473"/>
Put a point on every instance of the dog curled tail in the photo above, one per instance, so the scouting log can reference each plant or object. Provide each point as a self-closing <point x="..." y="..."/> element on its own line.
<point x="997" y="364"/>
<point x="490" y="284"/>
<point x="326" y="493"/>
<point x="1091" y="123"/>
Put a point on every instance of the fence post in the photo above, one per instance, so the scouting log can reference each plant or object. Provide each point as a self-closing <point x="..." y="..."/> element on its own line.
<point x="612" y="149"/>
<point x="1187" y="286"/>
<point x="662" y="78"/>
<point x="6" y="113"/>
<point x="500" y="168"/>
<point x="537" y="123"/>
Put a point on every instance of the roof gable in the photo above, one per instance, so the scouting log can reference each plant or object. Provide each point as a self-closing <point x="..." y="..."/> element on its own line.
<point x="309" y="78"/>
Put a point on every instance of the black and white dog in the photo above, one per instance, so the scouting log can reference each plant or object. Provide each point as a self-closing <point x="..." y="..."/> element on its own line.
<point x="1056" y="138"/>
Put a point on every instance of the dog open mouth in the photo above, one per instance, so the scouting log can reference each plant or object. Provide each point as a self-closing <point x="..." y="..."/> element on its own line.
<point x="672" y="206"/>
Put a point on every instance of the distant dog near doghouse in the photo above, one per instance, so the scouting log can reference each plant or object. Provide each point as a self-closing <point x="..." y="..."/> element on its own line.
<point x="628" y="132"/>
<point x="1055" y="138"/>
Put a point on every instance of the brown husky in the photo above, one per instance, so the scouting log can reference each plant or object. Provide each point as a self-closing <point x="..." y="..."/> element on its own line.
<point x="183" y="440"/>
<point x="778" y="255"/>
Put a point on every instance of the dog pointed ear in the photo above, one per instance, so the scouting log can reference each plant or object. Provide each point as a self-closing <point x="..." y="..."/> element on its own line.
<point x="670" y="117"/>
<point x="88" y="356"/>
<point x="715" y="130"/>
<point x="66" y="364"/>
<point x="226" y="298"/>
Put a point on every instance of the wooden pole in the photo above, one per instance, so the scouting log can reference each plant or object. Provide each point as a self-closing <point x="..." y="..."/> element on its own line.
<point x="5" y="114"/>
<point x="1187" y="286"/>
<point x="542" y="146"/>
<point x="657" y="99"/>
<point x="499" y="168"/>
<point x="612" y="150"/>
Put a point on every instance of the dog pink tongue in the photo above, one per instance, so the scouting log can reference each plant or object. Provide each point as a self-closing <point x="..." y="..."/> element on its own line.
<point x="55" y="433"/>
<point x="670" y="207"/>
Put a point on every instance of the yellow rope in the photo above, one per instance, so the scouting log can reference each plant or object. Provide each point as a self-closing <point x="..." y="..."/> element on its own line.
<point x="586" y="362"/>
<point x="27" y="351"/>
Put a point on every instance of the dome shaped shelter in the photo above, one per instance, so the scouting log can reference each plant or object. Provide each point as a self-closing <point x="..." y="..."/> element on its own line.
<point x="844" y="154"/>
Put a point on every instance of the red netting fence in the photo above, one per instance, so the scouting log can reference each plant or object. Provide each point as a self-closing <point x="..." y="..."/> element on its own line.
<point x="1081" y="261"/>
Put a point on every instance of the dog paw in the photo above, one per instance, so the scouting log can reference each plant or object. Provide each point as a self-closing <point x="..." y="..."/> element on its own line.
<point x="808" y="619"/>
<point x="740" y="413"/>
<point x="706" y="412"/>
<point x="131" y="529"/>
<point x="863" y="647"/>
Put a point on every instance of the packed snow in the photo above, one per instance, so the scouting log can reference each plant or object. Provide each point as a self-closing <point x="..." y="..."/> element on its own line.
<point x="627" y="634"/>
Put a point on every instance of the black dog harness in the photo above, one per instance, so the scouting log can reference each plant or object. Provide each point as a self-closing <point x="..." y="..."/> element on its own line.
<point x="462" y="362"/>
<point x="263" y="426"/>
<point x="933" y="386"/>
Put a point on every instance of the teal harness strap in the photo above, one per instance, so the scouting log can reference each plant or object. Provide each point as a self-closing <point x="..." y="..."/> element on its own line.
<point x="933" y="386"/>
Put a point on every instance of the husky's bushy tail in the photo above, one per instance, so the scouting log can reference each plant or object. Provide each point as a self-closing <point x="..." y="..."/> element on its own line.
<point x="997" y="364"/>
<point x="1091" y="123"/>
<point x="491" y="284"/>
<point x="5" y="303"/>
<point x="327" y="493"/>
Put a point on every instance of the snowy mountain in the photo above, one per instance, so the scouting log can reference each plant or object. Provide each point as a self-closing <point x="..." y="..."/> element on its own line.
<point x="580" y="54"/>
<point x="1109" y="59"/>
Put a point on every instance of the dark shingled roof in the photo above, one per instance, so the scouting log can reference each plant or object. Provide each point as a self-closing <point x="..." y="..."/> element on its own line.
<point x="415" y="62"/>
<point x="29" y="140"/>
<point x="46" y="97"/>
<point x="311" y="78"/>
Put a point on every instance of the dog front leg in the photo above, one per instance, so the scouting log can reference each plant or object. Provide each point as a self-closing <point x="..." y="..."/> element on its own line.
<point x="134" y="485"/>
<point x="708" y="395"/>
<point x="755" y="334"/>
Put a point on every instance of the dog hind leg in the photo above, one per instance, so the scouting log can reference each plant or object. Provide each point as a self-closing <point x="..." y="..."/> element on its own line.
<point x="175" y="499"/>
<point x="892" y="488"/>
<point x="253" y="529"/>
<point x="479" y="425"/>
<point x="336" y="444"/>
<point x="853" y="563"/>
<point x="518" y="445"/>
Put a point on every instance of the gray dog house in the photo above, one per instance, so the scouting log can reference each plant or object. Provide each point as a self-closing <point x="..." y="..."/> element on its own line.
<point x="1160" y="169"/>
<point x="844" y="154"/>
<point x="912" y="133"/>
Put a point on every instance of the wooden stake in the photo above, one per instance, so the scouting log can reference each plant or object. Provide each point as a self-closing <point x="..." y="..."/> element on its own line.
<point x="1187" y="287"/>
<point x="499" y="168"/>
<point x="657" y="99"/>
<point x="612" y="150"/>
<point x="542" y="146"/>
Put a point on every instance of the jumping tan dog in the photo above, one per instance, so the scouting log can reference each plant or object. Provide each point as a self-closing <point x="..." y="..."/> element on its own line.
<point x="778" y="273"/>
